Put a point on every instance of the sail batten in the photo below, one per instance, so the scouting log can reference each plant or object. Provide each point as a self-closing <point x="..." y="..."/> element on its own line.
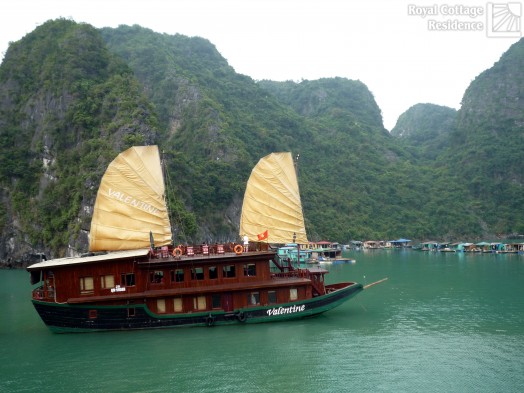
<point x="130" y="203"/>
<point x="272" y="202"/>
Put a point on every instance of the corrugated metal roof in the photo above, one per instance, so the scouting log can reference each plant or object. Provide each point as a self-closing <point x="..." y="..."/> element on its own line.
<point x="87" y="259"/>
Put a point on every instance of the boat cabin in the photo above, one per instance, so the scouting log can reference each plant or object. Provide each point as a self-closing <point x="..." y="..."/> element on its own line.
<point x="168" y="282"/>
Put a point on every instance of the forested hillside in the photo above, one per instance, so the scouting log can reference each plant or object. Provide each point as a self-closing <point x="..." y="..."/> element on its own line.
<point x="67" y="106"/>
<point x="72" y="97"/>
<point x="488" y="144"/>
<point x="425" y="129"/>
<point x="216" y="124"/>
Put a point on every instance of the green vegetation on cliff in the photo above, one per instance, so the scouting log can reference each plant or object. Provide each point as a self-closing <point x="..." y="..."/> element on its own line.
<point x="488" y="144"/>
<point x="67" y="107"/>
<point x="425" y="129"/>
<point x="72" y="97"/>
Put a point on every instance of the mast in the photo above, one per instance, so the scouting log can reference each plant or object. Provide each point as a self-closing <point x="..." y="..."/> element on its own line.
<point x="298" y="187"/>
<point x="167" y="187"/>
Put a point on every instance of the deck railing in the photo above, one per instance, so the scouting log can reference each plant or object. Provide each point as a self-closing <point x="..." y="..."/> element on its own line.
<point x="316" y="280"/>
<point x="297" y="273"/>
<point x="205" y="249"/>
<point x="42" y="294"/>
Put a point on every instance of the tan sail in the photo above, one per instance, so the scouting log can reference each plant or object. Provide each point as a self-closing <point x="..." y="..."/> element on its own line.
<point x="130" y="203"/>
<point x="272" y="202"/>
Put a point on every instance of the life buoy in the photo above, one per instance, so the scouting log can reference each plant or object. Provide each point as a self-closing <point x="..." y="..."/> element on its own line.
<point x="238" y="249"/>
<point x="241" y="317"/>
<point x="177" y="252"/>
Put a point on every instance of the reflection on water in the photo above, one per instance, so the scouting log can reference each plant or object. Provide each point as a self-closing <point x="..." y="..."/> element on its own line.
<point x="442" y="322"/>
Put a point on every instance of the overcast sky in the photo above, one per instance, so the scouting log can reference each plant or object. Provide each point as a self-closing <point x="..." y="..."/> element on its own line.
<point x="403" y="57"/>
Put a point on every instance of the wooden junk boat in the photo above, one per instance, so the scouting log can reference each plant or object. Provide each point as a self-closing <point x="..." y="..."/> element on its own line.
<point x="134" y="278"/>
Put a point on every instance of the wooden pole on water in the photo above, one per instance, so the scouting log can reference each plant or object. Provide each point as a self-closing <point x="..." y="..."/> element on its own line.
<point x="375" y="283"/>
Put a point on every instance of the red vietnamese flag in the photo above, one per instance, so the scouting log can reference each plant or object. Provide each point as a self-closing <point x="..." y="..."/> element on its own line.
<point x="263" y="236"/>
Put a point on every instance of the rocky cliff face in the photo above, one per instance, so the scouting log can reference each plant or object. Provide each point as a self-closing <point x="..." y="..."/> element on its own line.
<point x="488" y="143"/>
<point x="426" y="129"/>
<point x="496" y="96"/>
<point x="423" y="122"/>
<point x="492" y="116"/>
<point x="66" y="106"/>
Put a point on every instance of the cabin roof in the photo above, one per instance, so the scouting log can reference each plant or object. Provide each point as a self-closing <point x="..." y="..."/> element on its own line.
<point x="86" y="259"/>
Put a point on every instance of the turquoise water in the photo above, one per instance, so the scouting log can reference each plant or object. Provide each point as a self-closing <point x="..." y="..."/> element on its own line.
<point x="441" y="323"/>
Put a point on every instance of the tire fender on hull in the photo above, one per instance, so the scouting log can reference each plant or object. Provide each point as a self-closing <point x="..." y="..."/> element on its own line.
<point x="242" y="317"/>
<point x="210" y="320"/>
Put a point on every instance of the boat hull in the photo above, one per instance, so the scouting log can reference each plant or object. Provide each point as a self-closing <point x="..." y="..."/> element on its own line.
<point x="62" y="318"/>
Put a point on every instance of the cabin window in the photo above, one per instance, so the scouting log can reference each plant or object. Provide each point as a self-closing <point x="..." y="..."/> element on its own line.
<point x="216" y="301"/>
<point x="130" y="312"/>
<point x="177" y="304"/>
<point x="199" y="303"/>
<point x="86" y="285"/>
<point x="253" y="298"/>
<point x="128" y="279"/>
<point x="272" y="297"/>
<point x="197" y="273"/>
<point x="107" y="281"/>
<point x="161" y="305"/>
<point x="250" y="270"/>
<point x="213" y="272"/>
<point x="156" y="277"/>
<point x="293" y="294"/>
<point x="177" y="275"/>
<point x="228" y="271"/>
